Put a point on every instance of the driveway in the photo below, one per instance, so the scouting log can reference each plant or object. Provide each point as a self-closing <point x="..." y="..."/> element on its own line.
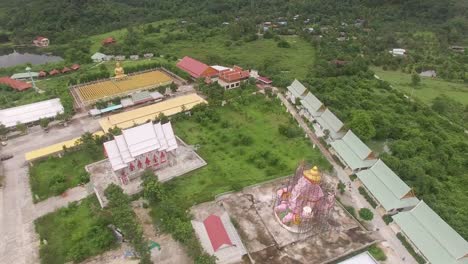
<point x="18" y="240"/>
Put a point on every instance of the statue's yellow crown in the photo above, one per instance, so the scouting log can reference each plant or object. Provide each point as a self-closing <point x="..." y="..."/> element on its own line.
<point x="313" y="175"/>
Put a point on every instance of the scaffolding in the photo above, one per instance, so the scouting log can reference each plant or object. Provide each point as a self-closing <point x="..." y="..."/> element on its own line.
<point x="303" y="204"/>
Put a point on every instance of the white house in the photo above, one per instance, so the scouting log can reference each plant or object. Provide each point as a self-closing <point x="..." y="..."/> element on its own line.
<point x="98" y="57"/>
<point x="398" y="52"/>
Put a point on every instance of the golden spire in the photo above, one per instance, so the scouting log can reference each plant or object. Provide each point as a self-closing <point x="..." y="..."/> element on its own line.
<point x="313" y="175"/>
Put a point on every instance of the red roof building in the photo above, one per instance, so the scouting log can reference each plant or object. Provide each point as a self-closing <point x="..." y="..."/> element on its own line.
<point x="264" y="80"/>
<point x="15" y="84"/>
<point x="42" y="73"/>
<point x="216" y="232"/>
<point x="41" y="42"/>
<point x="54" y="72"/>
<point x="75" y="67"/>
<point x="195" y="68"/>
<point x="231" y="78"/>
<point x="108" y="41"/>
<point x="66" y="69"/>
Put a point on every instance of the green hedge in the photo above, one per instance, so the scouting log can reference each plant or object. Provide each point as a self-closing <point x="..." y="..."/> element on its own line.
<point x="369" y="199"/>
<point x="387" y="219"/>
<point x="410" y="249"/>
<point x="377" y="253"/>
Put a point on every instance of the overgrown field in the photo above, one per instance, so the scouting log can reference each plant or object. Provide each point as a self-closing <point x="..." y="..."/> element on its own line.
<point x="243" y="147"/>
<point x="53" y="176"/>
<point x="428" y="89"/>
<point x="74" y="233"/>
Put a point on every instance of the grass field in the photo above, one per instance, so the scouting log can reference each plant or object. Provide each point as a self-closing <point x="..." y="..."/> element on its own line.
<point x="294" y="62"/>
<point x="54" y="175"/>
<point x="428" y="89"/>
<point x="232" y="164"/>
<point x="74" y="233"/>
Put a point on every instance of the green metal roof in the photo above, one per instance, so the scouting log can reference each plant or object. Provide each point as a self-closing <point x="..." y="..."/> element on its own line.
<point x="329" y="121"/>
<point x="297" y="89"/>
<point x="141" y="96"/>
<point x="353" y="151"/>
<point x="24" y="75"/>
<point x="311" y="103"/>
<point x="434" y="238"/>
<point x="386" y="187"/>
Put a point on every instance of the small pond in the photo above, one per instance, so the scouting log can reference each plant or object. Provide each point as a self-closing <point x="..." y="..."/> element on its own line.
<point x="16" y="58"/>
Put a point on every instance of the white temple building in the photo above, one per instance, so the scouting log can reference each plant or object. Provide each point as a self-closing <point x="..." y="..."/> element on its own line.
<point x="139" y="148"/>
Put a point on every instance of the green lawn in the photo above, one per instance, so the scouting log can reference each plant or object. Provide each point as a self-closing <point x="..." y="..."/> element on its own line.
<point x="54" y="175"/>
<point x="428" y="89"/>
<point x="232" y="165"/>
<point x="74" y="233"/>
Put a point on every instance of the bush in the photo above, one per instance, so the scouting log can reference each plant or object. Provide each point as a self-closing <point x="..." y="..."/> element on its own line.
<point x="350" y="210"/>
<point x="283" y="44"/>
<point x="353" y="177"/>
<point x="366" y="214"/>
<point x="289" y="131"/>
<point x="387" y="219"/>
<point x="369" y="199"/>
<point x="410" y="248"/>
<point x="341" y="186"/>
<point x="377" y="253"/>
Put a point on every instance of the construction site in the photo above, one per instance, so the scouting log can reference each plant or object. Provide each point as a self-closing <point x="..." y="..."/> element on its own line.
<point x="323" y="238"/>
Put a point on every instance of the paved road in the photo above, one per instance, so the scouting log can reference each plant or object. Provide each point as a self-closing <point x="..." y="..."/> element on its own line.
<point x="394" y="249"/>
<point x="18" y="239"/>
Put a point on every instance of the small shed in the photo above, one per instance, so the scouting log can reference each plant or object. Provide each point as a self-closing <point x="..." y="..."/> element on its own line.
<point x="98" y="57"/>
<point x="148" y="55"/>
<point x="429" y="73"/>
<point x="54" y="72"/>
<point x="66" y="69"/>
<point x="75" y="67"/>
<point x="134" y="57"/>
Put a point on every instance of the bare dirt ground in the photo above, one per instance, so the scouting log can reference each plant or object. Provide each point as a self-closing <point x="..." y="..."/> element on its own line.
<point x="171" y="251"/>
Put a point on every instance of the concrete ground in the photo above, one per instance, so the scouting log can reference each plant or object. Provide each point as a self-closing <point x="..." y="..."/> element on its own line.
<point x="267" y="241"/>
<point x="18" y="239"/>
<point x="393" y="248"/>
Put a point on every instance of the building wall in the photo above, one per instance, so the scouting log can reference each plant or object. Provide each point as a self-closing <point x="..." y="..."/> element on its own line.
<point x="227" y="85"/>
<point x="152" y="160"/>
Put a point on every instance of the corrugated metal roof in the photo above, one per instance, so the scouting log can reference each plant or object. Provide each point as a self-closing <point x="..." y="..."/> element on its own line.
<point x="141" y="96"/>
<point x="195" y="68"/>
<point x="312" y="104"/>
<point x="297" y="89"/>
<point x="24" y="75"/>
<point x="143" y="114"/>
<point x="329" y="121"/>
<point x="386" y="186"/>
<point x="30" y="112"/>
<point x="54" y="149"/>
<point x="353" y="151"/>
<point x="363" y="258"/>
<point x="434" y="238"/>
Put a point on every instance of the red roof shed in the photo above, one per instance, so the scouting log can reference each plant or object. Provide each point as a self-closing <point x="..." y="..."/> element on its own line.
<point x="264" y="80"/>
<point x="54" y="72"/>
<point x="108" y="41"/>
<point x="216" y="232"/>
<point x="42" y="73"/>
<point x="15" y="84"/>
<point x="195" y="68"/>
<point x="75" y="67"/>
<point x="66" y="69"/>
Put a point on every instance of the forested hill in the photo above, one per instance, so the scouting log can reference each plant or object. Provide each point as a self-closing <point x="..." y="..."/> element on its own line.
<point x="63" y="20"/>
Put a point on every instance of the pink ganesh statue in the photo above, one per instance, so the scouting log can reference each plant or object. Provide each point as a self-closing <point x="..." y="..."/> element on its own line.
<point x="297" y="202"/>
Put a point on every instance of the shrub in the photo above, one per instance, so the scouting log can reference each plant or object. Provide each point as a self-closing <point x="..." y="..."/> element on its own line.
<point x="350" y="210"/>
<point x="369" y="199"/>
<point x="387" y="219"/>
<point x="341" y="186"/>
<point x="377" y="253"/>
<point x="283" y="44"/>
<point x="410" y="248"/>
<point x="366" y="214"/>
<point x="353" y="177"/>
<point x="289" y="131"/>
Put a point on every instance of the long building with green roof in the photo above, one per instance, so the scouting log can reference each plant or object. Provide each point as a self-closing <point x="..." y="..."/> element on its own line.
<point x="434" y="238"/>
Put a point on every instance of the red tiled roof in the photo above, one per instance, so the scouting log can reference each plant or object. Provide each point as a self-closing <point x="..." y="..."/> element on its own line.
<point x="234" y="75"/>
<point x="196" y="68"/>
<point x="216" y="232"/>
<point x="15" y="84"/>
<point x="264" y="80"/>
<point x="39" y="38"/>
<point x="42" y="74"/>
<point x="108" y="40"/>
<point x="65" y="69"/>
<point x="75" y="67"/>
<point x="54" y="72"/>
